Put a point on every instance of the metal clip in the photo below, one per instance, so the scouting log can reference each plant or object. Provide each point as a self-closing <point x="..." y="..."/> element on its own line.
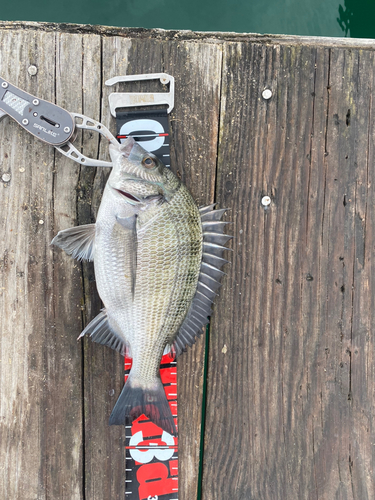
<point x="133" y="99"/>
<point x="85" y="123"/>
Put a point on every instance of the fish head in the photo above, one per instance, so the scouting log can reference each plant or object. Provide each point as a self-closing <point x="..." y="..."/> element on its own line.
<point x="139" y="175"/>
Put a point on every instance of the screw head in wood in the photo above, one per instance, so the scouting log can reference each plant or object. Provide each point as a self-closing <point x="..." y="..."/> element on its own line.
<point x="6" y="177"/>
<point x="266" y="200"/>
<point x="267" y="94"/>
<point x="32" y="70"/>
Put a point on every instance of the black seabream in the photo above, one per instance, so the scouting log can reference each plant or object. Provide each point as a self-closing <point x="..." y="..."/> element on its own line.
<point x="157" y="260"/>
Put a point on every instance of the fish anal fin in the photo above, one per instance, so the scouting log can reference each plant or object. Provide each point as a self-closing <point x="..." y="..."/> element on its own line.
<point x="77" y="241"/>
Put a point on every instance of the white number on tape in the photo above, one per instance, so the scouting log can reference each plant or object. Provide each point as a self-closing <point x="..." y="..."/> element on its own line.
<point x="144" y="457"/>
<point x="145" y="125"/>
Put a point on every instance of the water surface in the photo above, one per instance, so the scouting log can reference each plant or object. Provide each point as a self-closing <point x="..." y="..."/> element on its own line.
<point x="355" y="18"/>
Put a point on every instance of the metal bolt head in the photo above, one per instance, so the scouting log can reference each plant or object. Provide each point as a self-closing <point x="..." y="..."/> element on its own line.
<point x="32" y="70"/>
<point x="36" y="102"/>
<point x="4" y="85"/>
<point x="67" y="130"/>
<point x="6" y="177"/>
<point x="266" y="200"/>
<point x="267" y="94"/>
<point x="25" y="121"/>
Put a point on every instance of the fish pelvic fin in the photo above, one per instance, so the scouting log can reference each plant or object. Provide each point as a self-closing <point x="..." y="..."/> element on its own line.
<point x="77" y="241"/>
<point x="135" y="401"/>
<point x="101" y="332"/>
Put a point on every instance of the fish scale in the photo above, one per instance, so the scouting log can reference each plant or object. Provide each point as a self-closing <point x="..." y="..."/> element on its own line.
<point x="114" y="262"/>
<point x="162" y="294"/>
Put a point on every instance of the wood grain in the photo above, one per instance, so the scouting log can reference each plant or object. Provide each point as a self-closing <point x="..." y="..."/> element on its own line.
<point x="291" y="356"/>
<point x="40" y="398"/>
<point x="104" y="473"/>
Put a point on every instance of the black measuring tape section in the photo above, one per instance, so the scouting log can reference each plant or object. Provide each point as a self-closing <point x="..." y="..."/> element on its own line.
<point x="151" y="453"/>
<point x="149" y="128"/>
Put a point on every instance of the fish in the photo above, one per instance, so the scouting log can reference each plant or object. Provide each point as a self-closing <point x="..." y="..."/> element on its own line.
<point x="158" y="262"/>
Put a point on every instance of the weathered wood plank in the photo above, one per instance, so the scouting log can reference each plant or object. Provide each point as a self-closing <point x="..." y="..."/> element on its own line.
<point x="194" y="36"/>
<point x="40" y="373"/>
<point x="104" y="368"/>
<point x="347" y="337"/>
<point x="195" y="122"/>
<point x="285" y="348"/>
<point x="104" y="452"/>
<point x="66" y="420"/>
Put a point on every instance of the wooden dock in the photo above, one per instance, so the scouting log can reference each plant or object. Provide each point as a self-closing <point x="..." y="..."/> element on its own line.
<point x="289" y="380"/>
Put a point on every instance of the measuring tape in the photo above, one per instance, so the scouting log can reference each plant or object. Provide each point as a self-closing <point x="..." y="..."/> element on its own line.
<point x="151" y="452"/>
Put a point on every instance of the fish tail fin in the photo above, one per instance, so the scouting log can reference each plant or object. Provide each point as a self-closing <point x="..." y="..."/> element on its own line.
<point x="151" y="402"/>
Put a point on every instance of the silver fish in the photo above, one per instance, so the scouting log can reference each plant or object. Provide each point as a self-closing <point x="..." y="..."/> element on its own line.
<point x="157" y="260"/>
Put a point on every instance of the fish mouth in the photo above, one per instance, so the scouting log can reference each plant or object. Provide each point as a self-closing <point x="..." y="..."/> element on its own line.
<point x="129" y="196"/>
<point x="132" y="199"/>
<point x="121" y="149"/>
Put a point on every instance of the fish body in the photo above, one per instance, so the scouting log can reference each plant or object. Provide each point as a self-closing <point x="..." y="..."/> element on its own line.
<point x="148" y="247"/>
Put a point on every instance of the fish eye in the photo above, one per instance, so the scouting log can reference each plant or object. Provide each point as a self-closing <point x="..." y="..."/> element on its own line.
<point x="148" y="162"/>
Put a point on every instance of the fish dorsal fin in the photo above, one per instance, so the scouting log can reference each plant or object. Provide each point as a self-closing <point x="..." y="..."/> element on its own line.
<point x="101" y="332"/>
<point x="77" y="241"/>
<point x="209" y="278"/>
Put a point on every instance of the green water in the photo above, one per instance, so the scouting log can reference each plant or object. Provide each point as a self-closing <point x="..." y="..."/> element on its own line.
<point x="354" y="18"/>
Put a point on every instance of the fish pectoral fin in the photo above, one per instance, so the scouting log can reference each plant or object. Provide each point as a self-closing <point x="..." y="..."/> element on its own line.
<point x="129" y="224"/>
<point x="101" y="332"/>
<point x="77" y="241"/>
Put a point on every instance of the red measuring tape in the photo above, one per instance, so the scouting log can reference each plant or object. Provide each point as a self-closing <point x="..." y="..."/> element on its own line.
<point x="151" y="452"/>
